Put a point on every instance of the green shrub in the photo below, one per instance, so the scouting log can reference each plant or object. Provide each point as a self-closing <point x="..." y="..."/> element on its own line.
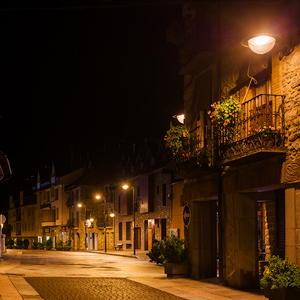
<point x="35" y="245"/>
<point x="25" y="244"/>
<point x="40" y="245"/>
<point x="49" y="244"/>
<point x="156" y="252"/>
<point x="173" y="250"/>
<point x="19" y="243"/>
<point x="10" y="244"/>
<point x="63" y="246"/>
<point x="280" y="274"/>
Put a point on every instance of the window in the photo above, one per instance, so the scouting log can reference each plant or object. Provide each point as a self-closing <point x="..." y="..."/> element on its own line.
<point x="128" y="230"/>
<point x="48" y="215"/>
<point x="120" y="231"/>
<point x="164" y="195"/>
<point x="56" y="194"/>
<point x="57" y="213"/>
<point x="138" y="191"/>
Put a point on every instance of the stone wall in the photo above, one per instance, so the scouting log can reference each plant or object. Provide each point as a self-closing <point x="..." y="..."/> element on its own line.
<point x="289" y="68"/>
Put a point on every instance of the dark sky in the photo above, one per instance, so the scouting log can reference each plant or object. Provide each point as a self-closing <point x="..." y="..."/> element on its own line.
<point x="82" y="77"/>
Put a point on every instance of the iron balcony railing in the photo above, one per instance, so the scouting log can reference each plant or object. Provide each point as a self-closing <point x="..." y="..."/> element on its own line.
<point x="259" y="124"/>
<point x="198" y="151"/>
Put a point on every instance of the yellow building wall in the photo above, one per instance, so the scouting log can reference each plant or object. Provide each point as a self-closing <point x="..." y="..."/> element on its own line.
<point x="177" y="208"/>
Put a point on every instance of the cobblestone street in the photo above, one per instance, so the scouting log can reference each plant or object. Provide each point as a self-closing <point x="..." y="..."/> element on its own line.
<point x="53" y="288"/>
<point x="60" y="275"/>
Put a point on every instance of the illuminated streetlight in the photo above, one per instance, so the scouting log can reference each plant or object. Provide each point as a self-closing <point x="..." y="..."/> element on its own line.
<point x="261" y="43"/>
<point x="125" y="187"/>
<point x="180" y="118"/>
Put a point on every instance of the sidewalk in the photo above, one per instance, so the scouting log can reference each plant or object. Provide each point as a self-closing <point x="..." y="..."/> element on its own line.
<point x="15" y="287"/>
<point x="188" y="288"/>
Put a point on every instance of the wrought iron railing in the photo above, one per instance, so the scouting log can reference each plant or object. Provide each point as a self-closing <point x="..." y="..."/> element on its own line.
<point x="198" y="150"/>
<point x="259" y="124"/>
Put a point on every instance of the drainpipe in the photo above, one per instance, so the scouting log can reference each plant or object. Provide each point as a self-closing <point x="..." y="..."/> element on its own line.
<point x="220" y="214"/>
<point x="220" y="189"/>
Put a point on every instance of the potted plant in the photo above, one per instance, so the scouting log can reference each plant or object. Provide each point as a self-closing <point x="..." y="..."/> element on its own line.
<point x="156" y="251"/>
<point x="174" y="257"/>
<point x="281" y="279"/>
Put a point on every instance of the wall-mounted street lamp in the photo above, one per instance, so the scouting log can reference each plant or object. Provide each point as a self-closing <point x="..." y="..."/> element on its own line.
<point x="261" y="43"/>
<point x="180" y="118"/>
<point x="125" y="187"/>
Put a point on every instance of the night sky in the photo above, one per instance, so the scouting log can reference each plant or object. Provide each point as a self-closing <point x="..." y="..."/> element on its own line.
<point x="84" y="77"/>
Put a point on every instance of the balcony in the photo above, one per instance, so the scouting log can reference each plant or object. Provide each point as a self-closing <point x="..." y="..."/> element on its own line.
<point x="258" y="132"/>
<point x="199" y="153"/>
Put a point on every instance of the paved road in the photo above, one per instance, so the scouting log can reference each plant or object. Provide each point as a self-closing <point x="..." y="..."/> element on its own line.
<point x="38" y="274"/>
<point x="67" y="288"/>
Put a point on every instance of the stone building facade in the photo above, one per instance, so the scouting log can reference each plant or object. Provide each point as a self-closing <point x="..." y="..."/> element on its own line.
<point x="152" y="198"/>
<point x="245" y="201"/>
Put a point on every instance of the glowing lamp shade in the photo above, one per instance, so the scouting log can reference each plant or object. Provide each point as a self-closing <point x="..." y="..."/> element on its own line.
<point x="180" y="118"/>
<point x="261" y="44"/>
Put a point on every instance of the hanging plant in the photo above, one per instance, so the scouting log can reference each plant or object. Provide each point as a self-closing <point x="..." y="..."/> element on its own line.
<point x="174" y="138"/>
<point x="223" y="112"/>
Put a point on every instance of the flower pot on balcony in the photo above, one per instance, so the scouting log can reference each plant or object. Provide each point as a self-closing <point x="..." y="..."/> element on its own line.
<point x="284" y="294"/>
<point x="176" y="270"/>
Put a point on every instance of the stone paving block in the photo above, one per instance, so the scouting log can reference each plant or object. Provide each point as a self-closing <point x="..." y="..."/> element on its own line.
<point x="64" y="288"/>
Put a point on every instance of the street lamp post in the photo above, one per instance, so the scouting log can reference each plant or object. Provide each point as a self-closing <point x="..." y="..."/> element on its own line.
<point x="105" y="219"/>
<point x="125" y="187"/>
<point x="112" y="215"/>
<point x="86" y="224"/>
